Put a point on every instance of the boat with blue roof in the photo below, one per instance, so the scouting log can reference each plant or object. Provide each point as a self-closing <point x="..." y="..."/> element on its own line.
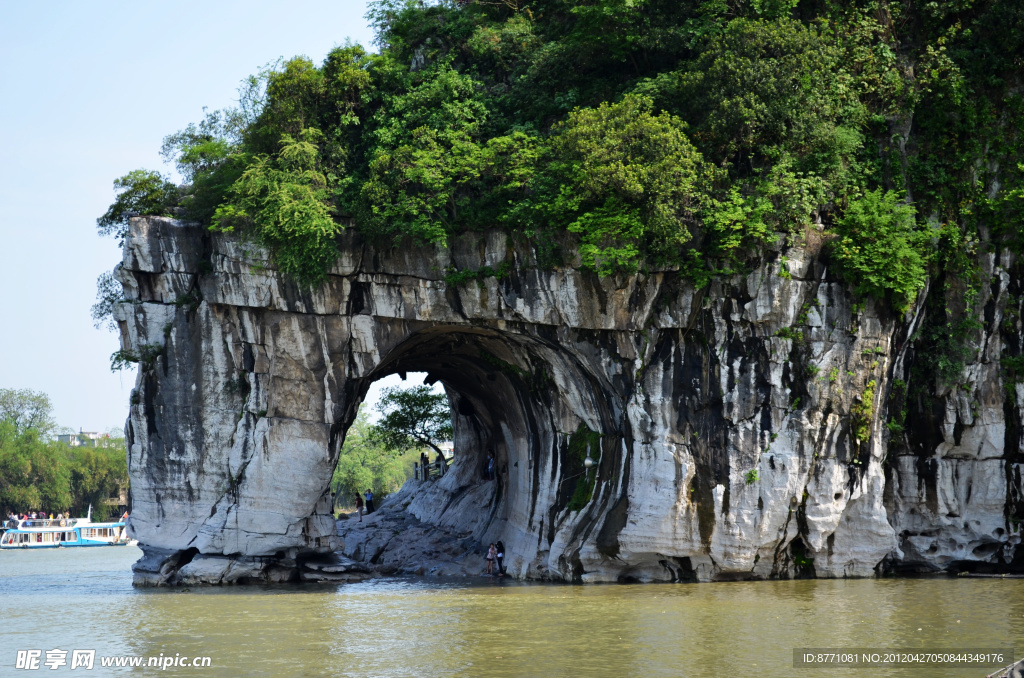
<point x="44" y="533"/>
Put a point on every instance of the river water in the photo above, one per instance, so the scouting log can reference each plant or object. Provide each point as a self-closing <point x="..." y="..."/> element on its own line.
<point x="83" y="599"/>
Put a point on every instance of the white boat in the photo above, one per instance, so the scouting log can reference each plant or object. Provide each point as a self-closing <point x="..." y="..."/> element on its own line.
<point x="64" y="532"/>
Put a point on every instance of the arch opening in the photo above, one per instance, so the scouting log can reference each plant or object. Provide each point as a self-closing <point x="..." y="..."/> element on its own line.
<point x="366" y="461"/>
<point x="525" y="400"/>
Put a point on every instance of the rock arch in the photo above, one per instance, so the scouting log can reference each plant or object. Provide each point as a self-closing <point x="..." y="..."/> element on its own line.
<point x="719" y="450"/>
<point x="239" y="412"/>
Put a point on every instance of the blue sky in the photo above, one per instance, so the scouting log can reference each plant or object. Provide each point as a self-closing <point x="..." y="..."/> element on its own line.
<point x="87" y="93"/>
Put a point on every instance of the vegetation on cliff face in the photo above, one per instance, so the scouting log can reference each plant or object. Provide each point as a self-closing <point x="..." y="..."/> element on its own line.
<point x="878" y="249"/>
<point x="686" y="134"/>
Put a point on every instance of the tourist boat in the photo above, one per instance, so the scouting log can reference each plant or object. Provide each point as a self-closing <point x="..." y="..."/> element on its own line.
<point x="47" y="533"/>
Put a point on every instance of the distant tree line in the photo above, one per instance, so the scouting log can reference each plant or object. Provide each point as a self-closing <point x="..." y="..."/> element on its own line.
<point x="39" y="473"/>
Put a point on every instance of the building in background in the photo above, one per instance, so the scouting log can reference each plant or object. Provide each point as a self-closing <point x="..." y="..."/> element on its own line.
<point x="82" y="438"/>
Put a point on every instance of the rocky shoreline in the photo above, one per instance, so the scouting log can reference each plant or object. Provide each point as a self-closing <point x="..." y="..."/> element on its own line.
<point x="393" y="542"/>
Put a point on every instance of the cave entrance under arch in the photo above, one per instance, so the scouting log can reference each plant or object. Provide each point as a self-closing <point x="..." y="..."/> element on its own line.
<point x="523" y="399"/>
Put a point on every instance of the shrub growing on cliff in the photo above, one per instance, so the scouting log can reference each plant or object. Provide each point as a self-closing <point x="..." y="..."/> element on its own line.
<point x="582" y="443"/>
<point x="879" y="252"/>
<point x="770" y="100"/>
<point x="427" y="165"/>
<point x="109" y="293"/>
<point x="283" y="200"/>
<point x="139" y="192"/>
<point x="627" y="180"/>
<point x="862" y="413"/>
<point x="123" y="359"/>
<point x="761" y="88"/>
<point x="208" y="157"/>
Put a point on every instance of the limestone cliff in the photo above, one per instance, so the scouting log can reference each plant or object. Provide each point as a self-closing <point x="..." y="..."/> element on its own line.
<point x="739" y="430"/>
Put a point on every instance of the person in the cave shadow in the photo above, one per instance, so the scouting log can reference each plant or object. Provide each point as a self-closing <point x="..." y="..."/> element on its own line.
<point x="368" y="495"/>
<point x="490" y="465"/>
<point x="499" y="557"/>
<point x="359" y="506"/>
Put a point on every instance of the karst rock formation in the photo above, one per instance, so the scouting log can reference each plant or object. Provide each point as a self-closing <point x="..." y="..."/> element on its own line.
<point x="739" y="430"/>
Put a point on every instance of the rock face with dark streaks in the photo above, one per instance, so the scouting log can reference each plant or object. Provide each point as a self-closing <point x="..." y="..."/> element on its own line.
<point x="739" y="431"/>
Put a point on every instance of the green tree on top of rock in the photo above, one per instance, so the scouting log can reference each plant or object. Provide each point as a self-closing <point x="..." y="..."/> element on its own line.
<point x="629" y="182"/>
<point x="284" y="200"/>
<point x="685" y="135"/>
<point x="141" y="192"/>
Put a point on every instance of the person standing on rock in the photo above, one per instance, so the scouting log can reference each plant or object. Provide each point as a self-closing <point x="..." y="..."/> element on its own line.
<point x="359" y="506"/>
<point x="491" y="553"/>
<point x="369" y="501"/>
<point x="499" y="557"/>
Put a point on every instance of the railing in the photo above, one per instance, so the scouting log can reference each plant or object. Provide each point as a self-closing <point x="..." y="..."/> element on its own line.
<point x="39" y="522"/>
<point x="430" y="470"/>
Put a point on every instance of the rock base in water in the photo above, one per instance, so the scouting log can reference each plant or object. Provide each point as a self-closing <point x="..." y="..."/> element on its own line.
<point x="1015" y="670"/>
<point x="160" y="567"/>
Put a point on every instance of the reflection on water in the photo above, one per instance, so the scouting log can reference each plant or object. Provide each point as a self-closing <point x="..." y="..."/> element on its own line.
<point x="83" y="599"/>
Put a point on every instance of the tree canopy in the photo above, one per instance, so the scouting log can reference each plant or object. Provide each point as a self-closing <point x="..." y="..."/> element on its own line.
<point x="26" y="409"/>
<point x="683" y="134"/>
<point x="412" y="418"/>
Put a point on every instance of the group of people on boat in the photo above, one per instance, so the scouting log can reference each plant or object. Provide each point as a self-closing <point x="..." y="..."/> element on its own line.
<point x="13" y="519"/>
<point x="27" y="518"/>
<point x="36" y="529"/>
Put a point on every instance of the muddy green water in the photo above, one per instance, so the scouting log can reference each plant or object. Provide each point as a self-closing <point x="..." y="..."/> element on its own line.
<point x="83" y="599"/>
